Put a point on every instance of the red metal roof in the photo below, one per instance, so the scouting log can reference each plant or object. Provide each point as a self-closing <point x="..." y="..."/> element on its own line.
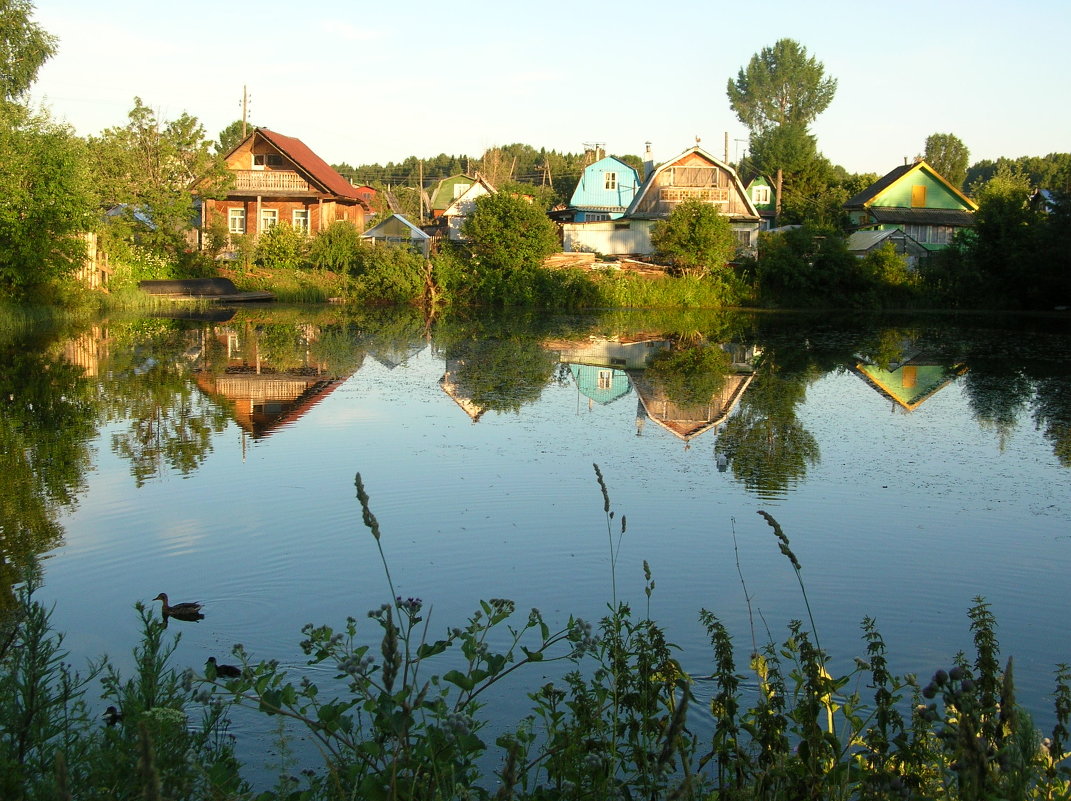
<point x="322" y="172"/>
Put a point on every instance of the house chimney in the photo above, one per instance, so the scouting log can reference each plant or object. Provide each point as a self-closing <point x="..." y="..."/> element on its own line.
<point x="648" y="160"/>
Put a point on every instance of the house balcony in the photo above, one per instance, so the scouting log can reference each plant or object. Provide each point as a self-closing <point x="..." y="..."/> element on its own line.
<point x="676" y="195"/>
<point x="271" y="182"/>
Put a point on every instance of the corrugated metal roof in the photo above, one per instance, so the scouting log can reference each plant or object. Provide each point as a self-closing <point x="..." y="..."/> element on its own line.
<point x="895" y="214"/>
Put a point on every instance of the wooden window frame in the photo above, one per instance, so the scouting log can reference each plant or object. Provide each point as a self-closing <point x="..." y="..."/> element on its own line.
<point x="236" y="215"/>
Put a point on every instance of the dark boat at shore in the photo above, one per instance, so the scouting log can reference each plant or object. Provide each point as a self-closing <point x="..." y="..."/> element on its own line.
<point x="221" y="290"/>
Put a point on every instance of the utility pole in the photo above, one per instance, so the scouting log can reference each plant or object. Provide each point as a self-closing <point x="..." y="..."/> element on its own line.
<point x="726" y="147"/>
<point x="245" y="109"/>
<point x="421" y="191"/>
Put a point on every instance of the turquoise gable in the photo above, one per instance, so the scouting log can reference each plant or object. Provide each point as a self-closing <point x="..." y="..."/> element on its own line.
<point x="605" y="190"/>
<point x="600" y="384"/>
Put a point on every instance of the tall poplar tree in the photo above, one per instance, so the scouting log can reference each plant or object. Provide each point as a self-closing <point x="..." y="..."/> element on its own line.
<point x="777" y="96"/>
<point x="947" y="154"/>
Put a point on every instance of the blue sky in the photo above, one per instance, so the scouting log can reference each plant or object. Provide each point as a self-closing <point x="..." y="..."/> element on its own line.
<point x="377" y="82"/>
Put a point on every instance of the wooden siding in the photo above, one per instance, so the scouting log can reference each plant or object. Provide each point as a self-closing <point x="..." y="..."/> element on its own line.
<point x="692" y="177"/>
<point x="321" y="212"/>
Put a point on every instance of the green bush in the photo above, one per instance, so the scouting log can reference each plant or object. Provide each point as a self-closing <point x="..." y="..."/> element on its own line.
<point x="336" y="247"/>
<point x="810" y="266"/>
<point x="389" y="274"/>
<point x="509" y="234"/>
<point x="696" y="239"/>
<point x="282" y="247"/>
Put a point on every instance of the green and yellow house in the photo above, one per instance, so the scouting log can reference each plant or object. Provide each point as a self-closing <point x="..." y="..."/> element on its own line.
<point x="916" y="199"/>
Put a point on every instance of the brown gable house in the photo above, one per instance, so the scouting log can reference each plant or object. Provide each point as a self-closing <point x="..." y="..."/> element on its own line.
<point x="278" y="179"/>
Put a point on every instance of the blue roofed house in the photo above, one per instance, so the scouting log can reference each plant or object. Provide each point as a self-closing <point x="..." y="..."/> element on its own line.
<point x="604" y="191"/>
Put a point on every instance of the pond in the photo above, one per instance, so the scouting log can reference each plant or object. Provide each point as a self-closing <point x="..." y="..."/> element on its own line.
<point x="914" y="464"/>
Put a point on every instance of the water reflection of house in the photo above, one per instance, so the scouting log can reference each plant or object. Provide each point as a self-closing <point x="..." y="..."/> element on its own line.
<point x="687" y="421"/>
<point x="606" y="369"/>
<point x="459" y="391"/>
<point x="397" y="353"/>
<point x="910" y="382"/>
<point x="624" y="352"/>
<point x="601" y="385"/>
<point x="264" y="402"/>
<point x="264" y="397"/>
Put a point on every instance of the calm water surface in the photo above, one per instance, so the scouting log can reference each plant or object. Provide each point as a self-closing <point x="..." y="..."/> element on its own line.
<point x="914" y="464"/>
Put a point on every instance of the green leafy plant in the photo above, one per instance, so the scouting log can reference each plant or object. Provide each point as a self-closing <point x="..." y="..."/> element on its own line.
<point x="282" y="247"/>
<point x="696" y="239"/>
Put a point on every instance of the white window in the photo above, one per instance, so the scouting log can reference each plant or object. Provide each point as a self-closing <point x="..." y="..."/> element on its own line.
<point x="606" y="379"/>
<point x="459" y="190"/>
<point x="301" y="220"/>
<point x="269" y="218"/>
<point x="611" y="180"/>
<point x="760" y="194"/>
<point x="236" y="221"/>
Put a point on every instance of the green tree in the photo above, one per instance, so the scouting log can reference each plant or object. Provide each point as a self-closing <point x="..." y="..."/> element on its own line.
<point x="695" y="238"/>
<point x="46" y="199"/>
<point x="231" y="136"/>
<point x="1003" y="245"/>
<point x="509" y="234"/>
<point x="947" y="154"/>
<point x="810" y="266"/>
<point x="781" y="87"/>
<point x="24" y="48"/>
<point x="147" y="168"/>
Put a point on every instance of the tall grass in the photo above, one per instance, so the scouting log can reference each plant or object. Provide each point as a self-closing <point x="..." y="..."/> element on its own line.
<point x="629" y="290"/>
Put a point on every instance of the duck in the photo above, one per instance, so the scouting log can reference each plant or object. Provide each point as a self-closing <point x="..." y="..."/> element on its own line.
<point x="188" y="610"/>
<point x="226" y="671"/>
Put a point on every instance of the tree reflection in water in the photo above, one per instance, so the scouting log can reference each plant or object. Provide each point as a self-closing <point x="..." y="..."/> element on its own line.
<point x="766" y="446"/>
<point x="48" y="414"/>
